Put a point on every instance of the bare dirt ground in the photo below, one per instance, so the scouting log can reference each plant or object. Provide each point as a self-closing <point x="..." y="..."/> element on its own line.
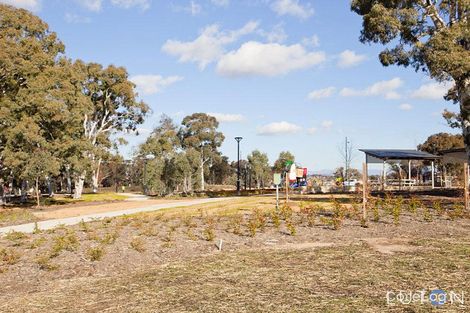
<point x="286" y="261"/>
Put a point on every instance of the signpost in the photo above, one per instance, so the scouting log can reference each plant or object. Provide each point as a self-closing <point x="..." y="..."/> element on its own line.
<point x="277" y="182"/>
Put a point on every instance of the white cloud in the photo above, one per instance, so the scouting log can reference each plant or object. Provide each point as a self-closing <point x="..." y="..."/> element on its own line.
<point x="321" y="93"/>
<point x="126" y="4"/>
<point x="228" y="118"/>
<point x="312" y="130"/>
<point x="152" y="84"/>
<point x="92" y="5"/>
<point x="32" y="5"/>
<point x="76" y="19"/>
<point x="194" y="8"/>
<point x="386" y="88"/>
<point x="277" y="34"/>
<point x="327" y="124"/>
<point x="280" y="128"/>
<point x="221" y="3"/>
<point x="349" y="58"/>
<point x="292" y="7"/>
<point x="272" y="59"/>
<point x="313" y="41"/>
<point x="405" y="107"/>
<point x="432" y="91"/>
<point x="209" y="46"/>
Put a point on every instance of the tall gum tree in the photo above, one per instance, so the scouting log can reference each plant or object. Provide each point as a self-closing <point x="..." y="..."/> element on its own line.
<point x="429" y="35"/>
<point x="199" y="132"/>
<point x="112" y="106"/>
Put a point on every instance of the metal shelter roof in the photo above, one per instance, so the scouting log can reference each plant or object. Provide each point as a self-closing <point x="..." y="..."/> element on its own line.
<point x="398" y="154"/>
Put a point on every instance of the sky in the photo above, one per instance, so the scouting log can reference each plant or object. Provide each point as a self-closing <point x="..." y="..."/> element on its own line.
<point x="282" y="74"/>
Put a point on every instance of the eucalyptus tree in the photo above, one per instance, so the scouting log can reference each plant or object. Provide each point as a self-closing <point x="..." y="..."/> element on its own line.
<point x="199" y="132"/>
<point x="432" y="36"/>
<point x="111" y="107"/>
<point x="260" y="167"/>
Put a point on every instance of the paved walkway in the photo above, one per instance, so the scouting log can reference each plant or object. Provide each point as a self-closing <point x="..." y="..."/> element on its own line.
<point x="49" y="224"/>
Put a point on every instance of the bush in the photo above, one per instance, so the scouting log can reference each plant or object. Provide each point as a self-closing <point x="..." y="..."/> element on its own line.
<point x="44" y="263"/>
<point x="235" y="223"/>
<point x="68" y="242"/>
<point x="397" y="206"/>
<point x="95" y="253"/>
<point x="209" y="230"/>
<point x="9" y="256"/>
<point x="276" y="218"/>
<point x="291" y="228"/>
<point x="138" y="244"/>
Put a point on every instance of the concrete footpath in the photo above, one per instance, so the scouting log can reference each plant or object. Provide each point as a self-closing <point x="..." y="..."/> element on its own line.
<point x="50" y="224"/>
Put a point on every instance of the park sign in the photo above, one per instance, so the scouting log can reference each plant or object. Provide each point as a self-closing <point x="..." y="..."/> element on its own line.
<point x="277" y="179"/>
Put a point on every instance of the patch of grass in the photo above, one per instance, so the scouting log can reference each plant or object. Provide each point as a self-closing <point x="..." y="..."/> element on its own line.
<point x="138" y="244"/>
<point x="109" y="238"/>
<point x="9" y="256"/>
<point x="106" y="196"/>
<point x="37" y="242"/>
<point x="69" y="242"/>
<point x="95" y="253"/>
<point x="209" y="229"/>
<point x="45" y="263"/>
<point x="235" y="223"/>
<point x="16" y="236"/>
<point x="16" y="216"/>
<point x="149" y="231"/>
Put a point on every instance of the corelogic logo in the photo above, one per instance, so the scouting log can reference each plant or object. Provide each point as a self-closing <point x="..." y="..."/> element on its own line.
<point x="437" y="297"/>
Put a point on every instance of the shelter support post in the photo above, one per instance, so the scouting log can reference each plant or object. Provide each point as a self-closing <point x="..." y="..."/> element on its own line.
<point x="432" y="174"/>
<point x="384" y="176"/>
<point x="465" y="184"/>
<point x="365" y="179"/>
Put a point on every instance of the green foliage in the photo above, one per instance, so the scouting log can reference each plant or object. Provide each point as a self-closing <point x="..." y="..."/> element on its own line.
<point x="252" y="225"/>
<point x="276" y="218"/>
<point x="376" y="209"/>
<point x="310" y="213"/>
<point x="457" y="211"/>
<point x="235" y="223"/>
<point x="15" y="236"/>
<point x="291" y="227"/>
<point x="397" y="208"/>
<point x="427" y="214"/>
<point x="437" y="206"/>
<point x="44" y="263"/>
<point x="209" y="230"/>
<point x="260" y="168"/>
<point x="286" y="212"/>
<point x="95" y="253"/>
<point x="68" y="241"/>
<point x="280" y="163"/>
<point x="413" y="205"/>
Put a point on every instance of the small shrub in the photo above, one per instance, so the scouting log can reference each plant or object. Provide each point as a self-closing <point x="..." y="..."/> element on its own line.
<point x="149" y="231"/>
<point x="291" y="227"/>
<point x="95" y="253"/>
<point x="109" y="238"/>
<point x="396" y="210"/>
<point x="83" y="226"/>
<point x="276" y="218"/>
<point x="209" y="230"/>
<point x="252" y="225"/>
<point x="15" y="236"/>
<point x="168" y="239"/>
<point x="138" y="244"/>
<point x="427" y="214"/>
<point x="413" y="205"/>
<point x="437" y="206"/>
<point x="189" y="221"/>
<point x="36" y="243"/>
<point x="68" y="242"/>
<point x="9" y="256"/>
<point x="338" y="214"/>
<point x="190" y="234"/>
<point x="376" y="210"/>
<point x="364" y="222"/>
<point x="106" y="222"/>
<point x="44" y="263"/>
<point x="235" y="223"/>
<point x="286" y="212"/>
<point x="457" y="212"/>
<point x="310" y="214"/>
<point x="260" y="218"/>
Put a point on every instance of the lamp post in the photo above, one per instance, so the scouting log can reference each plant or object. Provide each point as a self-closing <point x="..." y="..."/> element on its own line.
<point x="238" y="139"/>
<point x="147" y="158"/>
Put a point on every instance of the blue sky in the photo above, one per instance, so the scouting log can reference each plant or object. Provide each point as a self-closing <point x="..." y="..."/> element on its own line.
<point x="283" y="74"/>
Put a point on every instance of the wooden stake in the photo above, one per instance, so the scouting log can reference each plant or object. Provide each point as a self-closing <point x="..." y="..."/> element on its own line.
<point x="465" y="184"/>
<point x="364" y="190"/>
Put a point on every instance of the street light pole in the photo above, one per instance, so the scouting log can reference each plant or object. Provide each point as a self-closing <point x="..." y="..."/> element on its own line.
<point x="238" y="139"/>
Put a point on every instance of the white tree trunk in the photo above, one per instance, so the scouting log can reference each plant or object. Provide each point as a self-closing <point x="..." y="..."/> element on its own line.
<point x="38" y="195"/>
<point x="79" y="182"/>
<point x="202" y="175"/>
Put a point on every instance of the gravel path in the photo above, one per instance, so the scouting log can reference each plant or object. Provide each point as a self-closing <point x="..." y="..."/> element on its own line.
<point x="49" y="224"/>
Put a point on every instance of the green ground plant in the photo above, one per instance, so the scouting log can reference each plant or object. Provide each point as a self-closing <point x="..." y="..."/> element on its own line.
<point x="413" y="205"/>
<point x="276" y="218"/>
<point x="235" y="223"/>
<point x="427" y="214"/>
<point x="397" y="207"/>
<point x="376" y="209"/>
<point x="9" y="256"/>
<point x="209" y="228"/>
<point x="68" y="241"/>
<point x="437" y="206"/>
<point x="95" y="253"/>
<point x="45" y="263"/>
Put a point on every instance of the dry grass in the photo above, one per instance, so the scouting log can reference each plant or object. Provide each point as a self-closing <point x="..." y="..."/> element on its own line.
<point x="291" y="262"/>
